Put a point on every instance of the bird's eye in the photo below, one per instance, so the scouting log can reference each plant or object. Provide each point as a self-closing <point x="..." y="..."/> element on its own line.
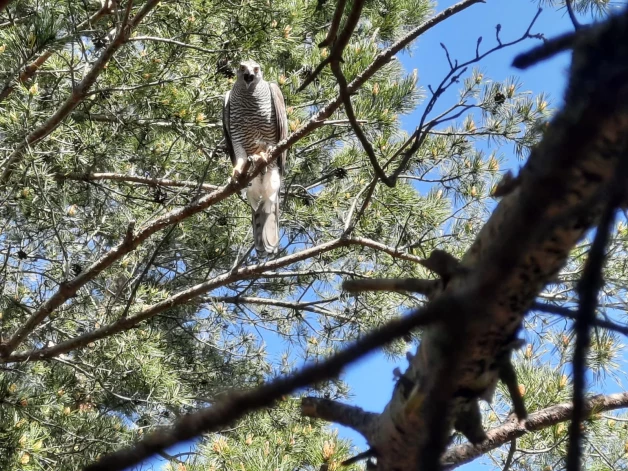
<point x="256" y="70"/>
<point x="242" y="68"/>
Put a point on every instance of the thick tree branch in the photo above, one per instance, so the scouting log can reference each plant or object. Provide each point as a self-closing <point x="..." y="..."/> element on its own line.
<point x="499" y="436"/>
<point x="353" y="417"/>
<point x="80" y="91"/>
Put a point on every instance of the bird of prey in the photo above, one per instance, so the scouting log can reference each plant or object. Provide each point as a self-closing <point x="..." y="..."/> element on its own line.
<point x="254" y="120"/>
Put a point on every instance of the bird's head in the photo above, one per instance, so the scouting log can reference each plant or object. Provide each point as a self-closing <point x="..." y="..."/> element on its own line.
<point x="249" y="73"/>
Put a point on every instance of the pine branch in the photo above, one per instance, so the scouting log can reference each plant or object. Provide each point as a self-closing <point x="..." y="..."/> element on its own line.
<point x="81" y="90"/>
<point x="120" y="177"/>
<point x="539" y="420"/>
<point x="177" y="299"/>
<point x="31" y="69"/>
<point x="235" y="405"/>
<point x="347" y="415"/>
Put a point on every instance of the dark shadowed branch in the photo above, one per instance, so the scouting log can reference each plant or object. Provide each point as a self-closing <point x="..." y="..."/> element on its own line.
<point x="588" y="288"/>
<point x="237" y="404"/>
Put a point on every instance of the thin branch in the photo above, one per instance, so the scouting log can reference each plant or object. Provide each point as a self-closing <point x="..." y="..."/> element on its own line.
<point x="588" y="288"/>
<point x="543" y="52"/>
<point x="179" y="298"/>
<point x="120" y="177"/>
<point x="3" y="4"/>
<point x="511" y="454"/>
<point x="498" y="436"/>
<point x="366" y="145"/>
<point x="568" y="313"/>
<point x="335" y="24"/>
<point x="572" y="15"/>
<point x="178" y="43"/>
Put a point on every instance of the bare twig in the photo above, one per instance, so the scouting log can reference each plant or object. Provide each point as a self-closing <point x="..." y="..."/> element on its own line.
<point x="572" y="15"/>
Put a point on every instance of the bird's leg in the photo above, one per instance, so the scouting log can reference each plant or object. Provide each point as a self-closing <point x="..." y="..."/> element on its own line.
<point x="261" y="158"/>
<point x="239" y="169"/>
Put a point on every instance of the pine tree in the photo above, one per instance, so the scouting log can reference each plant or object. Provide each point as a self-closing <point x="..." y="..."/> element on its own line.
<point x="130" y="295"/>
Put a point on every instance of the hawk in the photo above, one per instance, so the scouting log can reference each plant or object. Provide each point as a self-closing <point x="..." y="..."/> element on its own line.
<point x="254" y="120"/>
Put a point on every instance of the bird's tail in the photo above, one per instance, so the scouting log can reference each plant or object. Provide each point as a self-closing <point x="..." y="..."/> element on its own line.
<point x="266" y="227"/>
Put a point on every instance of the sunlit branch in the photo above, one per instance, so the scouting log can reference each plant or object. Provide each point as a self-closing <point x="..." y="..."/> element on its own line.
<point x="185" y="296"/>
<point x="31" y="69"/>
<point x="120" y="177"/>
<point x="80" y="91"/>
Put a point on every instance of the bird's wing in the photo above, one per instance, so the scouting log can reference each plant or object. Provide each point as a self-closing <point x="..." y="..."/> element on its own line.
<point x="282" y="121"/>
<point x="225" y="128"/>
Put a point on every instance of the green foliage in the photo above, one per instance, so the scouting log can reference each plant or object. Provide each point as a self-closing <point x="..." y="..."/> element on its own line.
<point x="155" y="113"/>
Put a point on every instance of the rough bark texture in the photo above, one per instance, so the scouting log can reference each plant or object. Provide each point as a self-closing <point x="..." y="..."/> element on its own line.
<point x="558" y="197"/>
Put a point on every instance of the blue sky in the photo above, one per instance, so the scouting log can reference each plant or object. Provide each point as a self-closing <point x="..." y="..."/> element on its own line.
<point x="371" y="379"/>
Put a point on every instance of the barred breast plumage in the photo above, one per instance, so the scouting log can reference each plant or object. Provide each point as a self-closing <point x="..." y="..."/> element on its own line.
<point x="254" y="119"/>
